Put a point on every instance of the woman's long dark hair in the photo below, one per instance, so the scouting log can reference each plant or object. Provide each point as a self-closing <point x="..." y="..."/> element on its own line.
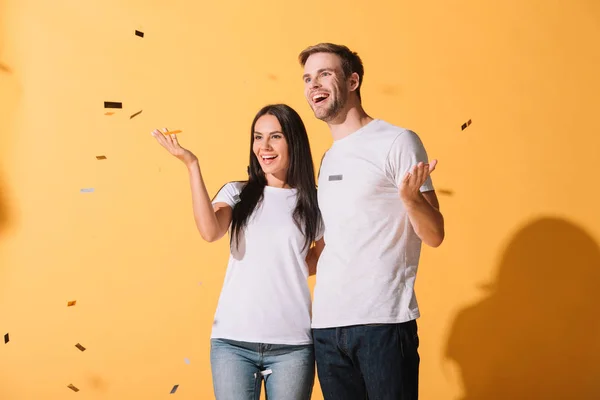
<point x="300" y="175"/>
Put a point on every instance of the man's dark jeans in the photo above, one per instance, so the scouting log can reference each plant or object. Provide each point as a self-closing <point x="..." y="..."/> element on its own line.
<point x="374" y="362"/>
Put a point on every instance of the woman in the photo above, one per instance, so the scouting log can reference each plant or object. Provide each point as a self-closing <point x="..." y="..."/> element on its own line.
<point x="262" y="323"/>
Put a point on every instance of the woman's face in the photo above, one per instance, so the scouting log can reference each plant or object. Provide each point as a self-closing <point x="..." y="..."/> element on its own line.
<point x="270" y="148"/>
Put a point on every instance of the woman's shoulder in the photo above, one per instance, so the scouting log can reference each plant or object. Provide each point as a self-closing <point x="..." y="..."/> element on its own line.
<point x="229" y="193"/>
<point x="234" y="186"/>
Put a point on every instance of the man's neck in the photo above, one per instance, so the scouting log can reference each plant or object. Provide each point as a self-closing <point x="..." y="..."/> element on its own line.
<point x="348" y="122"/>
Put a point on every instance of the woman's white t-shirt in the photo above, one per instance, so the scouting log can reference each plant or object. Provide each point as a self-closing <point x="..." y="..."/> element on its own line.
<point x="265" y="296"/>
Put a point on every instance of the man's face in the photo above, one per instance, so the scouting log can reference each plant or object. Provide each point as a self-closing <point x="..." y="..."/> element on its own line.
<point x="325" y="85"/>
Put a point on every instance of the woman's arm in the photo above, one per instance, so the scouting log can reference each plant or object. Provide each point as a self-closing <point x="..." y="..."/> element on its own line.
<point x="312" y="258"/>
<point x="212" y="221"/>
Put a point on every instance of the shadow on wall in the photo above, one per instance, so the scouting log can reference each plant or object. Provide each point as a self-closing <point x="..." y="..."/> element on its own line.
<point x="9" y="96"/>
<point x="536" y="336"/>
<point x="4" y="69"/>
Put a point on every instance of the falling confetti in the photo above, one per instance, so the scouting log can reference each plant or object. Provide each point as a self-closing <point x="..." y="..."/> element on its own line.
<point x="446" y="192"/>
<point x="187" y="361"/>
<point x="390" y="90"/>
<point x="138" y="33"/>
<point x="464" y="126"/>
<point x="71" y="303"/>
<point x="174" y="389"/>
<point x="109" y="113"/>
<point x="6" y="338"/>
<point x="113" y="104"/>
<point x="100" y="157"/>
<point x="80" y="347"/>
<point x="136" y="114"/>
<point x="87" y="190"/>
<point x="73" y="388"/>
<point x="171" y="132"/>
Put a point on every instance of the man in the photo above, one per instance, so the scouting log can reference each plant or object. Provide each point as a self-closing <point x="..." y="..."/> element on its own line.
<point x="378" y="205"/>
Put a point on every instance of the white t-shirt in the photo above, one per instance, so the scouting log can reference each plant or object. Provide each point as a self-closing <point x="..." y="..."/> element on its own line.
<point x="366" y="273"/>
<point x="265" y="296"/>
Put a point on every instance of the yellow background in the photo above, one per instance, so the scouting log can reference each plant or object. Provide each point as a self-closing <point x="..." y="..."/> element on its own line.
<point x="510" y="301"/>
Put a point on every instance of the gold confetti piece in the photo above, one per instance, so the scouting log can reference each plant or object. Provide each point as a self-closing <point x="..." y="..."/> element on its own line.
<point x="73" y="388"/>
<point x="101" y="157"/>
<point x="171" y="132"/>
<point x="80" y="347"/>
<point x="71" y="303"/>
<point x="109" y="113"/>
<point x="446" y="192"/>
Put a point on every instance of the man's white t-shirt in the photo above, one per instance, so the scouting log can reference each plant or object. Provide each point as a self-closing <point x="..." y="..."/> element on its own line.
<point x="366" y="273"/>
<point x="265" y="296"/>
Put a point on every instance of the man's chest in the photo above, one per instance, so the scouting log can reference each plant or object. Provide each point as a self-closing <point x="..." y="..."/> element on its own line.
<point x="354" y="181"/>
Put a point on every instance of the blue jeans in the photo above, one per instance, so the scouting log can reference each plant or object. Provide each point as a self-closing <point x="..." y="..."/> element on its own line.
<point x="238" y="369"/>
<point x="374" y="362"/>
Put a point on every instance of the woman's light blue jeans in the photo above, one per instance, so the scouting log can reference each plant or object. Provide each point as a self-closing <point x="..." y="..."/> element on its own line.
<point x="238" y="369"/>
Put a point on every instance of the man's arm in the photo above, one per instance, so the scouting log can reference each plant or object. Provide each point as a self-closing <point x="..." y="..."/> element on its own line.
<point x="423" y="208"/>
<point x="426" y="218"/>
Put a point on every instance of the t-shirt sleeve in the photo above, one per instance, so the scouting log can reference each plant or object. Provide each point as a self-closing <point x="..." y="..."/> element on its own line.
<point x="407" y="151"/>
<point x="229" y="194"/>
<point x="320" y="165"/>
